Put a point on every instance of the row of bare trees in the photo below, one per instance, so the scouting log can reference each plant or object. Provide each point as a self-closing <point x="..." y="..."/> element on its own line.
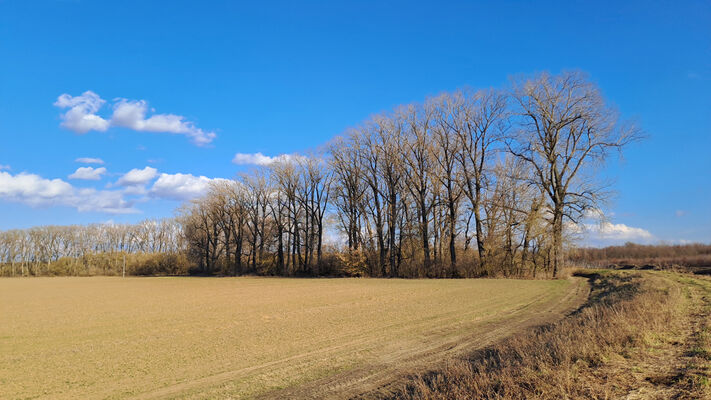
<point x="419" y="187"/>
<point x="467" y="183"/>
<point x="78" y="249"/>
<point x="269" y="221"/>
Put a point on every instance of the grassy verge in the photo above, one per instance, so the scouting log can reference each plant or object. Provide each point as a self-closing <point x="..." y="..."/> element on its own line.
<point x="641" y="335"/>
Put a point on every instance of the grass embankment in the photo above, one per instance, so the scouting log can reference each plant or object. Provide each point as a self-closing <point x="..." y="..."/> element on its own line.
<point x="641" y="335"/>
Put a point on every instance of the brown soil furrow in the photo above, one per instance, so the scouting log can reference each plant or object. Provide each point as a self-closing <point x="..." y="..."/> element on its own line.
<point x="374" y="380"/>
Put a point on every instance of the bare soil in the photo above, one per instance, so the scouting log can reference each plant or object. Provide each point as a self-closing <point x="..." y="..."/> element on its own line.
<point x="392" y="370"/>
<point x="104" y="337"/>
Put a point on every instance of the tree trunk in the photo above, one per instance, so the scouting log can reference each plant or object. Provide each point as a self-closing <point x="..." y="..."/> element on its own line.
<point x="319" y="250"/>
<point x="479" y="234"/>
<point x="392" y="227"/>
<point x="557" y="240"/>
<point x="238" y="254"/>
<point x="280" y="251"/>
<point x="425" y="234"/>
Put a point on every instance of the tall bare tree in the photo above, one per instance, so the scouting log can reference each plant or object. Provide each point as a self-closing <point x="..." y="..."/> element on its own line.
<point x="480" y="124"/>
<point x="564" y="130"/>
<point x="445" y="150"/>
<point x="417" y="167"/>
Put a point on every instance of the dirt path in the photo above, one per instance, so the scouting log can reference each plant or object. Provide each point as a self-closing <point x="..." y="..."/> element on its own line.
<point x="377" y="379"/>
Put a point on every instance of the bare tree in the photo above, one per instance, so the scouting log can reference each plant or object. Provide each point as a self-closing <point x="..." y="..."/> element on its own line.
<point x="417" y="166"/>
<point x="445" y="151"/>
<point x="564" y="129"/>
<point x="321" y="179"/>
<point x="350" y="188"/>
<point x="257" y="198"/>
<point x="480" y="123"/>
<point x="287" y="179"/>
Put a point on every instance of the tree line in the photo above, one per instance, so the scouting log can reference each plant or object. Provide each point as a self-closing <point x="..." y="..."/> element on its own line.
<point x="468" y="183"/>
<point x="694" y="256"/>
<point x="145" y="248"/>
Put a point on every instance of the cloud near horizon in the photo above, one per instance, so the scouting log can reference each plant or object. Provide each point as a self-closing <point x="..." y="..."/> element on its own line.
<point x="135" y="186"/>
<point x="82" y="118"/>
<point x="36" y="191"/>
<point x="609" y="230"/>
<point x="178" y="186"/>
<point x="182" y="186"/>
<point x="606" y="233"/>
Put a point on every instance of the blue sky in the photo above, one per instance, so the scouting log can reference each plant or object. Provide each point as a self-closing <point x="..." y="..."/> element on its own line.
<point x="284" y="77"/>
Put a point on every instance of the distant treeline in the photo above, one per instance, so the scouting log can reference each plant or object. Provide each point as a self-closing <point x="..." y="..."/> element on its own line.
<point x="695" y="256"/>
<point x="469" y="183"/>
<point x="151" y="247"/>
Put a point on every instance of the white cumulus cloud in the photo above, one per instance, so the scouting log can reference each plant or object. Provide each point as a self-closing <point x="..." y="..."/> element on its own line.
<point x="81" y="116"/>
<point x="137" y="176"/>
<point x="36" y="191"/>
<point x="607" y="230"/>
<point x="181" y="186"/>
<point x="606" y="233"/>
<point x="261" y="159"/>
<point x="89" y="160"/>
<point x="31" y="188"/>
<point x="88" y="173"/>
<point x="107" y="201"/>
<point x="132" y="114"/>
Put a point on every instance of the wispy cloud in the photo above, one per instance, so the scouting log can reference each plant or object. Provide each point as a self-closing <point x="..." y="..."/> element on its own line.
<point x="88" y="173"/>
<point x="89" y="160"/>
<point x="262" y="160"/>
<point x="4" y="167"/>
<point x="132" y="114"/>
<point x="679" y="213"/>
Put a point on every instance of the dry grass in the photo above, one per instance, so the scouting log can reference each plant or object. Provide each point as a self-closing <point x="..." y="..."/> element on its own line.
<point x="106" y="337"/>
<point x="642" y="335"/>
